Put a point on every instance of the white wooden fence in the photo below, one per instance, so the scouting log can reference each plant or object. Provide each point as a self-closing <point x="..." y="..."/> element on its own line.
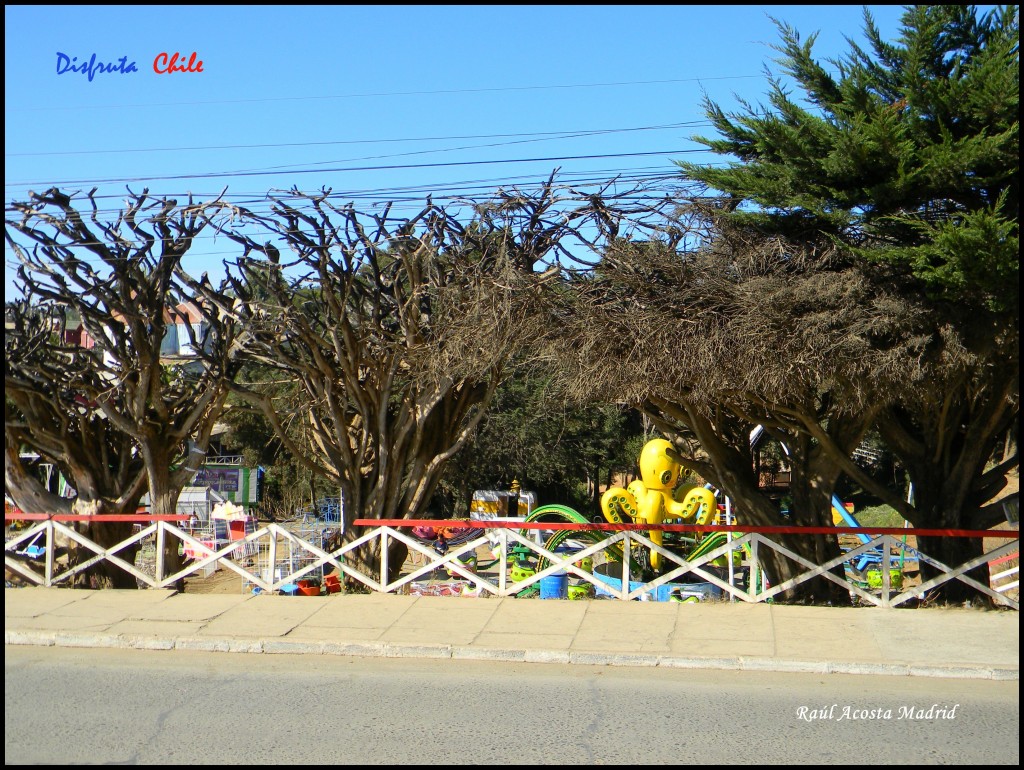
<point x="30" y="552"/>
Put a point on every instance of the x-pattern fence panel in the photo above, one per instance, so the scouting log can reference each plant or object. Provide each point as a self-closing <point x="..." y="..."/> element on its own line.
<point x="617" y="541"/>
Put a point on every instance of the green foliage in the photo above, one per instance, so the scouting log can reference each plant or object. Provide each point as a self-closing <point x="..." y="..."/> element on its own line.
<point x="561" y="453"/>
<point x="976" y="253"/>
<point x="878" y="516"/>
<point x="909" y="157"/>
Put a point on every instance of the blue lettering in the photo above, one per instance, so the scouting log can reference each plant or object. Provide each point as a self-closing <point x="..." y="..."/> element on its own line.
<point x="92" y="66"/>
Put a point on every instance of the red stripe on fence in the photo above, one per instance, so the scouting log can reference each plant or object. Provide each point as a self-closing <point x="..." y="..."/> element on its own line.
<point x="1008" y="557"/>
<point x="739" y="529"/>
<point x="133" y="517"/>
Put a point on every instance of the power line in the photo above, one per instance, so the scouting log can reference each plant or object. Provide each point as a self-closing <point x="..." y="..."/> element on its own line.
<point x="572" y="133"/>
<point x="623" y="175"/>
<point x="413" y="198"/>
<point x="438" y="150"/>
<point x="449" y="164"/>
<point x="603" y="174"/>
<point x="384" y="94"/>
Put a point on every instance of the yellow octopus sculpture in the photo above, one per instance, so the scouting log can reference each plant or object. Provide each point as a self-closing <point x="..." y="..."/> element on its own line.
<point x="654" y="497"/>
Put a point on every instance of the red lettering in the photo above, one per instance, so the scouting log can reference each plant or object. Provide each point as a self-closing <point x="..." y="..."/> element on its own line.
<point x="165" y="64"/>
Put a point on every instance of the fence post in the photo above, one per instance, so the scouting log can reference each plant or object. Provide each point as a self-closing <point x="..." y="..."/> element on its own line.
<point x="384" y="559"/>
<point x="886" y="564"/>
<point x="754" y="580"/>
<point x="728" y="539"/>
<point x="51" y="530"/>
<point x="503" y="563"/>
<point x="159" y="552"/>
<point x="627" y="551"/>
<point x="272" y="558"/>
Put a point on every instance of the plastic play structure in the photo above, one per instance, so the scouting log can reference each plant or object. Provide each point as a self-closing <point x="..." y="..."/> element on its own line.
<point x="867" y="570"/>
<point x="655" y="498"/>
<point x="564" y="542"/>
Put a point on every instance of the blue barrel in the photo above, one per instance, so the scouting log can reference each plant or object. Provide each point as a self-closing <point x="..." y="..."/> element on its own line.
<point x="554" y="586"/>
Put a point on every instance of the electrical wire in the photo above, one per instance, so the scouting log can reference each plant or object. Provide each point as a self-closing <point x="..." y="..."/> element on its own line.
<point x="382" y="94"/>
<point x="393" y="167"/>
<point x="554" y="134"/>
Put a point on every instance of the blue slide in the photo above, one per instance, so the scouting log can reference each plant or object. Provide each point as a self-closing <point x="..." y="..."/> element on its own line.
<point x="852" y="522"/>
<point x="848" y="518"/>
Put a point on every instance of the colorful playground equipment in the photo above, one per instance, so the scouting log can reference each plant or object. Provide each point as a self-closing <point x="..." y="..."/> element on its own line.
<point x="867" y="571"/>
<point x="326" y="510"/>
<point x="443" y="538"/>
<point x="526" y="563"/>
<point x="654" y="497"/>
<point x="502" y="504"/>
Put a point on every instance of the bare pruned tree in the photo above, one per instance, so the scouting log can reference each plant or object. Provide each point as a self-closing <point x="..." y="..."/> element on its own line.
<point x="720" y="330"/>
<point x="48" y="423"/>
<point x="398" y="329"/>
<point x="121" y="281"/>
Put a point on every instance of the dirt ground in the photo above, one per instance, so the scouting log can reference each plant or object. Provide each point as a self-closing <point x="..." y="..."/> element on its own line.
<point x="223" y="581"/>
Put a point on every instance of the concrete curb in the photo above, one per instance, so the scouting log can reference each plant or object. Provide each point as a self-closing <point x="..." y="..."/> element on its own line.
<point x="449" y="652"/>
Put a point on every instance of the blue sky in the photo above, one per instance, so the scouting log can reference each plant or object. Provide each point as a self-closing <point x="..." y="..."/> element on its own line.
<point x="456" y="100"/>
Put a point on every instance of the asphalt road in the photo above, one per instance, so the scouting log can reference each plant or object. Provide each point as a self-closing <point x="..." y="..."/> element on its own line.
<point x="73" y="706"/>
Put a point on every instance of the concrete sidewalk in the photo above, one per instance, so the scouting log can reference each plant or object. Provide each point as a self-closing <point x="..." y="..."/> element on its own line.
<point x="960" y="643"/>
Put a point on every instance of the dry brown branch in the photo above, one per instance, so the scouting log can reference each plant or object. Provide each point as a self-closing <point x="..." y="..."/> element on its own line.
<point x="398" y="331"/>
<point x="113" y="399"/>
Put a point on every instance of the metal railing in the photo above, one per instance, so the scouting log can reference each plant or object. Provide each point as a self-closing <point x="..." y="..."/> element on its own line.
<point x="613" y="542"/>
<point x="224" y="460"/>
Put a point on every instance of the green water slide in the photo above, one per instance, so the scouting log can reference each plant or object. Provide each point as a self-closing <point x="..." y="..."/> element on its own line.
<point x="550" y="513"/>
<point x="707" y="545"/>
<point x="717" y="539"/>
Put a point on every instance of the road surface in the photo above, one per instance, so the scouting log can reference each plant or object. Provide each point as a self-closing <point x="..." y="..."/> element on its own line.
<point x="72" y="706"/>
